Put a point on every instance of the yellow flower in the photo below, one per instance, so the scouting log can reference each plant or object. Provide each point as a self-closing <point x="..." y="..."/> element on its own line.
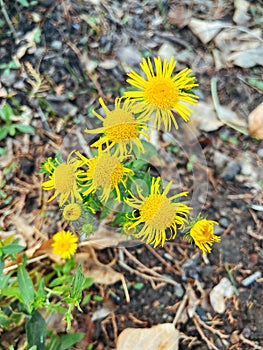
<point x="120" y="128"/>
<point x="105" y="172"/>
<point x="162" y="93"/>
<point x="72" y="211"/>
<point x="63" y="181"/>
<point x="202" y="232"/>
<point x="158" y="213"/>
<point x="64" y="244"/>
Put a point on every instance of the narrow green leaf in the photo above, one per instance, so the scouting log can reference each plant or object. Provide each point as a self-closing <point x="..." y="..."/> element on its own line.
<point x="27" y="129"/>
<point x="11" y="292"/>
<point x="8" y="111"/>
<point x="69" y="340"/>
<point x="25" y="286"/>
<point x="3" y="132"/>
<point x="36" y="331"/>
<point x="12" y="130"/>
<point x="12" y="249"/>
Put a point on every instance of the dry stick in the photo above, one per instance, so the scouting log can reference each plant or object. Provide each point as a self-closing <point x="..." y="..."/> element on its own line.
<point x="8" y="21"/>
<point x="13" y="267"/>
<point x="180" y="309"/>
<point x="250" y="342"/>
<point x="161" y="259"/>
<point x="210" y="328"/>
<point x="209" y="344"/>
<point x="143" y="275"/>
<point x="145" y="268"/>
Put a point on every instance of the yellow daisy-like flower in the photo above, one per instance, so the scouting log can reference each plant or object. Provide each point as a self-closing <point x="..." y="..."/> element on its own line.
<point x="202" y="233"/>
<point x="64" y="244"/>
<point x="63" y="180"/>
<point x="120" y="128"/>
<point x="162" y="92"/>
<point x="72" y="211"/>
<point x="105" y="172"/>
<point x="158" y="213"/>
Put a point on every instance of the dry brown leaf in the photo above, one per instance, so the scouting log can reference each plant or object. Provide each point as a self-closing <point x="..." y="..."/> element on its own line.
<point x="105" y="238"/>
<point x="29" y="39"/>
<point x="161" y="337"/>
<point x="205" y="118"/>
<point x="255" y="122"/>
<point x="205" y="30"/>
<point x="101" y="273"/>
<point x="180" y="16"/>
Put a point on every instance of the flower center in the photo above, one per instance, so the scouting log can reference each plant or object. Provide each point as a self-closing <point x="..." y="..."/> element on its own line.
<point x="108" y="171"/>
<point x="161" y="92"/>
<point x="72" y="211"/>
<point x="64" y="178"/>
<point x="122" y="132"/>
<point x="157" y="211"/>
<point x="116" y="117"/>
<point x="203" y="232"/>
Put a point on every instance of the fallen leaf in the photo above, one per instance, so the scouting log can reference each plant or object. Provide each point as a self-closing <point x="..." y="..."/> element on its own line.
<point x="224" y="289"/>
<point x="105" y="238"/>
<point x="236" y="47"/>
<point x="247" y="58"/>
<point x="205" y="30"/>
<point x="161" y="337"/>
<point x="205" y="118"/>
<point x="101" y="273"/>
<point x="241" y="16"/>
<point x="255" y="122"/>
<point x="180" y="16"/>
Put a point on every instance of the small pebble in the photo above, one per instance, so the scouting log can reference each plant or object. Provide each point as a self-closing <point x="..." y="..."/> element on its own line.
<point x="56" y="45"/>
<point x="224" y="222"/>
<point x="250" y="279"/>
<point x="260" y="152"/>
<point x="233" y="168"/>
<point x="178" y="290"/>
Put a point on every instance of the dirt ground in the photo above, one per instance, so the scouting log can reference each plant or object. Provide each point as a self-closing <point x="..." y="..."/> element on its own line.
<point x="82" y="50"/>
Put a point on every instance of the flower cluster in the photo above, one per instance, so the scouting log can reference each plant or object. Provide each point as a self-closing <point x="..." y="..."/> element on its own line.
<point x="85" y="185"/>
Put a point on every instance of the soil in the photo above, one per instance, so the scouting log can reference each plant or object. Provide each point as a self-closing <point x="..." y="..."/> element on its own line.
<point x="82" y="51"/>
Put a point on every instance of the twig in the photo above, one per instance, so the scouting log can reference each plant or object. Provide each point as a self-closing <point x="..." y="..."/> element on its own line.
<point x="8" y="21"/>
<point x="161" y="259"/>
<point x="145" y="268"/>
<point x="13" y="267"/>
<point x="199" y="330"/>
<point x="143" y="275"/>
<point x="180" y="309"/>
<point x="211" y="329"/>
<point x="250" y="342"/>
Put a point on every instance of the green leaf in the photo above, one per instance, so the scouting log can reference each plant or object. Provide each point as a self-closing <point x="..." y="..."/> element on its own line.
<point x="37" y="35"/>
<point x="36" y="331"/>
<point x="138" y="286"/>
<point x="4" y="281"/>
<point x="5" y="321"/>
<point x="3" y="132"/>
<point x="25" y="286"/>
<point x="2" y="151"/>
<point x="69" y="340"/>
<point x="24" y="3"/>
<point x="12" y="130"/>
<point x="256" y="83"/>
<point x="11" y="292"/>
<point x="8" y="110"/>
<point x="12" y="249"/>
<point x="97" y="298"/>
<point x="27" y="129"/>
